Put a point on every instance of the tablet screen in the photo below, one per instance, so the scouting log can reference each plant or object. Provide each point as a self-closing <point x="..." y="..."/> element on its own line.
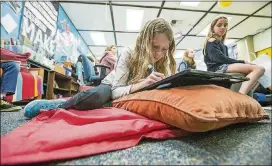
<point x="196" y="77"/>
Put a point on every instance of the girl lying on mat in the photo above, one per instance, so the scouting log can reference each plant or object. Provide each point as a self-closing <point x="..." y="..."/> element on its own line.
<point x="217" y="60"/>
<point x="155" y="45"/>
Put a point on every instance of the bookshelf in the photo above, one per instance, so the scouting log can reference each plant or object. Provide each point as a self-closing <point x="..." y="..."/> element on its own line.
<point x="60" y="85"/>
<point x="55" y="84"/>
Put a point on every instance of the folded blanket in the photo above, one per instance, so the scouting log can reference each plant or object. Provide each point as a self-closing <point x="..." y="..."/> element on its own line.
<point x="61" y="134"/>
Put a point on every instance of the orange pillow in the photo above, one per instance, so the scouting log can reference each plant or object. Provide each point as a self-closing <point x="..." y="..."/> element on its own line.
<point x="196" y="108"/>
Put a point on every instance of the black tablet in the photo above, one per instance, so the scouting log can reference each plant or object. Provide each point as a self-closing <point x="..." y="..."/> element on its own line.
<point x="196" y="77"/>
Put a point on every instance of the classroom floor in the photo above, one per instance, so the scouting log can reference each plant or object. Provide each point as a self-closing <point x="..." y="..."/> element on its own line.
<point x="240" y="144"/>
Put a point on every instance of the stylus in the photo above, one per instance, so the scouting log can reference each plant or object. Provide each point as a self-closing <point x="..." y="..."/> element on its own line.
<point x="163" y="86"/>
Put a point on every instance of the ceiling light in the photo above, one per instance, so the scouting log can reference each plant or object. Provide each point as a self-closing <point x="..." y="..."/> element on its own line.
<point x="98" y="38"/>
<point x="178" y="36"/>
<point x="205" y="31"/>
<point x="191" y="4"/>
<point x="134" y="19"/>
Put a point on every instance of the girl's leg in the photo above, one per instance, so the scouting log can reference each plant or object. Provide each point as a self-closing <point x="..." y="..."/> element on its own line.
<point x="33" y="108"/>
<point x="253" y="72"/>
<point x="91" y="99"/>
<point x="255" y="86"/>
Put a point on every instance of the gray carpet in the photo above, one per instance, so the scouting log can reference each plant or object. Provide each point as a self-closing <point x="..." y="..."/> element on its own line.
<point x="240" y="144"/>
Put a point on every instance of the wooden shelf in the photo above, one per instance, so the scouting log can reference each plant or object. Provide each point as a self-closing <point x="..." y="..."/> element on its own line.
<point x="37" y="64"/>
<point x="62" y="89"/>
<point x="62" y="76"/>
<point x="74" y="82"/>
<point x="67" y="86"/>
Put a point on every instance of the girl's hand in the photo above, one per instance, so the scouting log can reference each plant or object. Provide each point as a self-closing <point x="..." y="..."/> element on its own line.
<point x="152" y="78"/>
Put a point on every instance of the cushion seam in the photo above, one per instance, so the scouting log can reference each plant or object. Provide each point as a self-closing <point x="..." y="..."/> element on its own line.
<point x="215" y="119"/>
<point x="195" y="116"/>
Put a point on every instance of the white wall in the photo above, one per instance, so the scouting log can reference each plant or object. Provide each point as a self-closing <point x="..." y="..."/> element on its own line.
<point x="262" y="40"/>
<point x="245" y="49"/>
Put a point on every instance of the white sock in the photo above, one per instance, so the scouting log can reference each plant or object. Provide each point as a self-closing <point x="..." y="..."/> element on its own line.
<point x="3" y="95"/>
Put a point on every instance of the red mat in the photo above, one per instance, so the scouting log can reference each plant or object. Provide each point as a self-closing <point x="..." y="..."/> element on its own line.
<point x="61" y="134"/>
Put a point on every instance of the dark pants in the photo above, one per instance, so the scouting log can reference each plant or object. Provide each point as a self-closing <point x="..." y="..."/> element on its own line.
<point x="9" y="77"/>
<point x="91" y="99"/>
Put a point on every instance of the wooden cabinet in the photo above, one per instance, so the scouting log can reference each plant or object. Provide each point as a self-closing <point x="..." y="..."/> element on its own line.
<point x="55" y="84"/>
<point x="60" y="85"/>
<point x="74" y="87"/>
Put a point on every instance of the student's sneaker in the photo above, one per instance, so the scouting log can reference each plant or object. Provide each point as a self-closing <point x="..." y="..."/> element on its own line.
<point x="33" y="108"/>
<point x="7" y="107"/>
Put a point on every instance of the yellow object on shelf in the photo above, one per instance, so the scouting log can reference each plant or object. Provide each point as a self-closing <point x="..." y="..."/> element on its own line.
<point x="267" y="51"/>
<point x="224" y="4"/>
<point x="59" y="69"/>
<point x="67" y="64"/>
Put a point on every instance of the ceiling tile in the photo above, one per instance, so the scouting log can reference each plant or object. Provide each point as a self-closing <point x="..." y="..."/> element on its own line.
<point x="267" y="11"/>
<point x="208" y="19"/>
<point x="191" y="42"/>
<point x="250" y="26"/>
<point x="109" y="36"/>
<point x="203" y="23"/>
<point x="186" y="20"/>
<point x="178" y="54"/>
<point x="126" y="39"/>
<point x="201" y="6"/>
<point x="158" y="4"/>
<point x="89" y="16"/>
<point x="119" y="13"/>
<point x="240" y="7"/>
<point x="97" y="51"/>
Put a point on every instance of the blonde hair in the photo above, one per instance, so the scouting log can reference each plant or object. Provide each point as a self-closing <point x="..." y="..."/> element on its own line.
<point x="142" y="54"/>
<point x="211" y="33"/>
<point x="109" y="47"/>
<point x="188" y="60"/>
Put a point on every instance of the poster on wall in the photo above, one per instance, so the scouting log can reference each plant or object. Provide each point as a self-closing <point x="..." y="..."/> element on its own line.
<point x="38" y="29"/>
<point x="69" y="42"/>
<point x="11" y="13"/>
<point x="83" y="48"/>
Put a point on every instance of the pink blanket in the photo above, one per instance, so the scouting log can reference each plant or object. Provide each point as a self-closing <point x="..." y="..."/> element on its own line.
<point x="61" y="134"/>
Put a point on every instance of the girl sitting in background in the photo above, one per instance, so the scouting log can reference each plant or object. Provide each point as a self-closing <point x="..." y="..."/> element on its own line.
<point x="109" y="58"/>
<point x="217" y="60"/>
<point x="188" y="61"/>
<point x="154" y="45"/>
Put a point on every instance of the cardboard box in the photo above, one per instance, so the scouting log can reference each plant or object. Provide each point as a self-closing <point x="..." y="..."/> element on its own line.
<point x="59" y="69"/>
<point x="67" y="64"/>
